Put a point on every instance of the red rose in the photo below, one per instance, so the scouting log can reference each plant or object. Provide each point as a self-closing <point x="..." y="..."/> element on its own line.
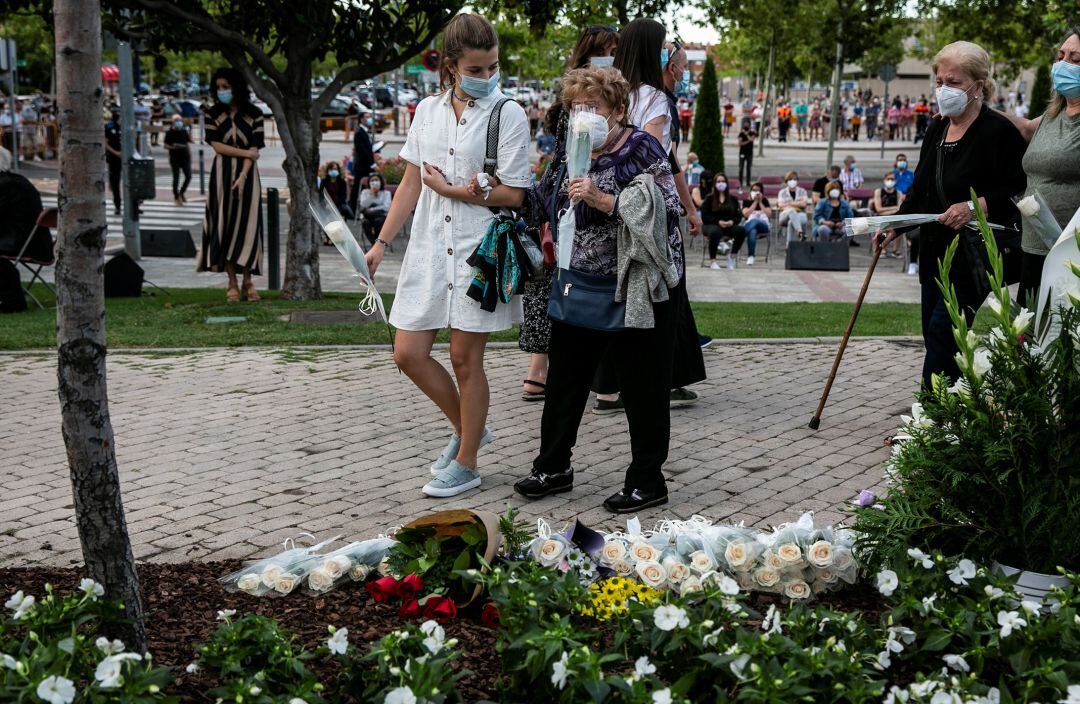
<point x="490" y="616"/>
<point x="410" y="586"/>
<point x="382" y="590"/>
<point x="410" y="609"/>
<point x="440" y="608"/>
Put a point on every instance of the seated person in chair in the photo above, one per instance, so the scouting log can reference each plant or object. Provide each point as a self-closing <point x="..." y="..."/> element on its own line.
<point x="374" y="205"/>
<point x="20" y="204"/>
<point x="830" y="212"/>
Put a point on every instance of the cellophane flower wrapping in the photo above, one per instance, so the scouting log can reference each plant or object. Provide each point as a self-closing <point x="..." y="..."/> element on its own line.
<point x="353" y="562"/>
<point x="262" y="577"/>
<point x="1038" y="218"/>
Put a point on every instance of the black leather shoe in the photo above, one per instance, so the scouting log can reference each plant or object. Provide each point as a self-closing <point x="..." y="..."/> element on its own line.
<point x="631" y="500"/>
<point x="538" y="484"/>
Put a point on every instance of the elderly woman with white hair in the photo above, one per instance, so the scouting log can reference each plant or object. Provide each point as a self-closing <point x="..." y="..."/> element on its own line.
<point x="974" y="147"/>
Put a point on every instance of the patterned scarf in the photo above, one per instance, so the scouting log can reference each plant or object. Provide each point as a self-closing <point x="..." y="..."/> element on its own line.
<point x="498" y="276"/>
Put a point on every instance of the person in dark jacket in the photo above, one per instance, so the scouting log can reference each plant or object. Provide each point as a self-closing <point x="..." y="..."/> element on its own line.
<point x="974" y="147"/>
<point x="362" y="162"/>
<point x="20" y="203"/>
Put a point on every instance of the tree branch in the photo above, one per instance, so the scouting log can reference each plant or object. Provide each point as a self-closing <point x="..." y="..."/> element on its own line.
<point x="344" y="77"/>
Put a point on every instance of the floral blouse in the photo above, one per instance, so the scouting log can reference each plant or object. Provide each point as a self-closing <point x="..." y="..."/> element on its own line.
<point x="595" y="249"/>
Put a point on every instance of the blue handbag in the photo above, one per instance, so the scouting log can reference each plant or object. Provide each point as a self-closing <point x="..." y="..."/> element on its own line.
<point x="585" y="301"/>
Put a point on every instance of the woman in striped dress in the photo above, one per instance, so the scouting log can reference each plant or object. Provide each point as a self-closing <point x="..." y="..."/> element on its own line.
<point x="232" y="225"/>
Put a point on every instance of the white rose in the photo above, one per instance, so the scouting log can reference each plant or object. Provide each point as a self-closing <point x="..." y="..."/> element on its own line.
<point x="622" y="568"/>
<point x="842" y="558"/>
<point x="690" y="585"/>
<point x="828" y="575"/>
<point x="700" y="562"/>
<point x="359" y="572"/>
<point x="384" y="568"/>
<point x="335" y="231"/>
<point x="766" y="576"/>
<point x="644" y="552"/>
<point x="337" y="565"/>
<point x="820" y="553"/>
<point x="676" y="570"/>
<point x="249" y="583"/>
<point x="773" y="561"/>
<point x="1028" y="206"/>
<point x="550" y="552"/>
<point x="652" y="573"/>
<point x="270" y="574"/>
<point x="789" y="554"/>
<point x="797" y="589"/>
<point x="320" y="579"/>
<point x="860" y="226"/>
<point x="286" y="583"/>
<point x="744" y="580"/>
<point x="737" y="554"/>
<point x="613" y="550"/>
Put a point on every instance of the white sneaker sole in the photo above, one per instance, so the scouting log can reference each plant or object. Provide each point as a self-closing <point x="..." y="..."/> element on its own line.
<point x="451" y="491"/>
<point x="485" y="439"/>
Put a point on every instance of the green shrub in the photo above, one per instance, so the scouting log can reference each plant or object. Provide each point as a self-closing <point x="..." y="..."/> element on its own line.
<point x="708" y="137"/>
<point x="1040" y="91"/>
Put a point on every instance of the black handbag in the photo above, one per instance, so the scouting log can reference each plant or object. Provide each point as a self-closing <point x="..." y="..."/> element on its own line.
<point x="585" y="301"/>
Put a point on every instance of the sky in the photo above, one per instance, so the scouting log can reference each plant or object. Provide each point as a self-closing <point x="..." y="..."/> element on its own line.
<point x="691" y="25"/>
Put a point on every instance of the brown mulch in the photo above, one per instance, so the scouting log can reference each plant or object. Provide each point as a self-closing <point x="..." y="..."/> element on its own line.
<point x="182" y="601"/>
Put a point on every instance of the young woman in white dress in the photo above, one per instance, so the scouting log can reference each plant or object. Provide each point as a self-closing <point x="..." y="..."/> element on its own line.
<point x="445" y="151"/>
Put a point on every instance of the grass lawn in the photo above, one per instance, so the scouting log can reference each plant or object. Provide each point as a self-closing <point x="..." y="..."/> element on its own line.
<point x="178" y="319"/>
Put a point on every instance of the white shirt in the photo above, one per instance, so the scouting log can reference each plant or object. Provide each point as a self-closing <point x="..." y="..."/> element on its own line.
<point x="435" y="274"/>
<point x="646" y="105"/>
<point x="1021" y="110"/>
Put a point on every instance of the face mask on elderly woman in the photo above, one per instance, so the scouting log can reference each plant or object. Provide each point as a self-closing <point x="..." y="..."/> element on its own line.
<point x="599" y="128"/>
<point x="951" y="101"/>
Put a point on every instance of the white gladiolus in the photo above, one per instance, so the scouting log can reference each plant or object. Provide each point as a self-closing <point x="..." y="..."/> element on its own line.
<point x="917" y="419"/>
<point x="980" y="364"/>
<point x="1022" y="321"/>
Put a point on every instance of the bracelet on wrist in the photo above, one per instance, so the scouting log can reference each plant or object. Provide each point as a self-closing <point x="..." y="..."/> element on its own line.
<point x="380" y="240"/>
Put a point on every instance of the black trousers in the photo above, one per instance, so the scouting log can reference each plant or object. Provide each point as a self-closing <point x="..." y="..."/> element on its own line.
<point x="642" y="360"/>
<point x="941" y="347"/>
<point x="114" y="182"/>
<point x="180" y="166"/>
<point x="373" y="223"/>
<point x="715" y="233"/>
<point x="745" y="160"/>
<point x="1031" y="266"/>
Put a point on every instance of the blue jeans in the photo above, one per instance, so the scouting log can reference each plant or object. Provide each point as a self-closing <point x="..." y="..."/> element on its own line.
<point x="753" y="227"/>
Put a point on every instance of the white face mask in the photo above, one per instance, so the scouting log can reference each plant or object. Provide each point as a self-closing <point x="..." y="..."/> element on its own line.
<point x="951" y="101"/>
<point x="755" y="194"/>
<point x="721" y="186"/>
<point x="598" y="127"/>
<point x="792" y="183"/>
<point x="890" y="184"/>
<point x="834" y="193"/>
<point x="602" y="61"/>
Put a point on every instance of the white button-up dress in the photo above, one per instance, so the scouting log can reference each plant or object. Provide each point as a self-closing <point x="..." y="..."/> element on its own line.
<point x="435" y="274"/>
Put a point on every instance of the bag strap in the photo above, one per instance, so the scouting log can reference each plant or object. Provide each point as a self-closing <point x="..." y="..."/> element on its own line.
<point x="491" y="155"/>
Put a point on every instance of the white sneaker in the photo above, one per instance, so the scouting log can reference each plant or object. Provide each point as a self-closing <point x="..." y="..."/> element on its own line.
<point x="730" y="262"/>
<point x="912" y="269"/>
<point x="715" y="266"/>
<point x="749" y="261"/>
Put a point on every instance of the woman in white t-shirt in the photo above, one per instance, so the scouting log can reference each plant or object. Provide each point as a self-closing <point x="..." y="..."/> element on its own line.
<point x="639" y="42"/>
<point x="445" y="151"/>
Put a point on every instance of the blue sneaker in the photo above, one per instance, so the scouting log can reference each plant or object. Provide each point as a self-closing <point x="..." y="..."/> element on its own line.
<point x="455" y="479"/>
<point x="452" y="448"/>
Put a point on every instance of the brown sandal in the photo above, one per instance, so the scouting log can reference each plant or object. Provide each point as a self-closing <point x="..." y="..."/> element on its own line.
<point x="232" y="295"/>
<point x="250" y="294"/>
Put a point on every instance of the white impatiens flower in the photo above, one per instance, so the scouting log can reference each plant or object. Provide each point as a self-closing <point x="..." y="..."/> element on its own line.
<point x="1031" y="608"/>
<point x="884" y="660"/>
<point x="887" y="582"/>
<point x="559" y="671"/>
<point x="643" y="667"/>
<point x="226" y="614"/>
<point x="993" y="592"/>
<point x="668" y="617"/>
<point x="20" y="604"/>
<point x="298" y="700"/>
<point x="964" y="570"/>
<point x="109" y="647"/>
<point x="661" y="696"/>
<point x="338" y="643"/>
<point x="921" y="557"/>
<point x="8" y="661"/>
<point x="435" y="635"/>
<point x="1009" y="621"/>
<point x="727" y="585"/>
<point x="192" y="668"/>
<point x="91" y="588"/>
<point x="109" y="672"/>
<point x="56" y="690"/>
<point x="771" y="622"/>
<point x="738" y="666"/>
<point x="400" y="695"/>
<point x="1072" y="696"/>
<point x="956" y="662"/>
<point x="928" y="603"/>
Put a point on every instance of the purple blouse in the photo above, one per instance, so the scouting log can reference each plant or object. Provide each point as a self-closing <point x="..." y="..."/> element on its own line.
<point x="595" y="250"/>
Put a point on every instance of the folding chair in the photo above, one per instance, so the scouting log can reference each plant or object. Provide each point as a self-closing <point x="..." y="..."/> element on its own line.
<point x="46" y="221"/>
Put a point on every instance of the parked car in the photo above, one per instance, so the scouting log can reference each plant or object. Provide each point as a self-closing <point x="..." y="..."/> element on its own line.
<point x="333" y="116"/>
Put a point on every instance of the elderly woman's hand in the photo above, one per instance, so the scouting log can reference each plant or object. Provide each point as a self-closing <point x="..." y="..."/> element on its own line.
<point x="583" y="189"/>
<point x="958" y="215"/>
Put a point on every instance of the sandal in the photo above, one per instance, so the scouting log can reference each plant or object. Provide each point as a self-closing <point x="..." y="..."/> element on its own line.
<point x="534" y="396"/>
<point x="250" y="294"/>
<point x="232" y="295"/>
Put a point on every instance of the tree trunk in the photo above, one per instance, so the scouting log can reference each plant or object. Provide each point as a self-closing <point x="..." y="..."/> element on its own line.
<point x="80" y="315"/>
<point x="301" y="163"/>
<point x="834" y="122"/>
<point x="766" y="109"/>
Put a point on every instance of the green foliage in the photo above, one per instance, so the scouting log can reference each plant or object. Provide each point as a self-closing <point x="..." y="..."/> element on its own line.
<point x="990" y="466"/>
<point x="59" y="641"/>
<point x="708" y="138"/>
<point x="1040" y="90"/>
<point x="256" y="660"/>
<point x="516" y="533"/>
<point x="421" y="552"/>
<point x="34" y="39"/>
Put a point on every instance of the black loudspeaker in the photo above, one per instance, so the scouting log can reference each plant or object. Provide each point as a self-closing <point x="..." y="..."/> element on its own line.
<point x="123" y="277"/>
<point x="167" y="243"/>
<point x="824" y="256"/>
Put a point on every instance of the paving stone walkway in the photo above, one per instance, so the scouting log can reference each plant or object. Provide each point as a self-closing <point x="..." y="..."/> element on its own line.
<point x="225" y="453"/>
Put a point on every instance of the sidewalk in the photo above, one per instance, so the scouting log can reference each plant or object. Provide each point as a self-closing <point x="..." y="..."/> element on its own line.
<point x="225" y="453"/>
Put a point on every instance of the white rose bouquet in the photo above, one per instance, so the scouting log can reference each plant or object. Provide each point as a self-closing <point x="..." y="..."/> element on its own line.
<point x="355" y="561"/>
<point x="261" y="577"/>
<point x="736" y="548"/>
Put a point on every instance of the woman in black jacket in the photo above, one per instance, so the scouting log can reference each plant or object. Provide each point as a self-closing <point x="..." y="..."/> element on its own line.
<point x="720" y="215"/>
<point x="974" y="147"/>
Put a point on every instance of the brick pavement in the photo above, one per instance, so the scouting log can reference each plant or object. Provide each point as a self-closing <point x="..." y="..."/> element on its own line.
<point x="226" y="453"/>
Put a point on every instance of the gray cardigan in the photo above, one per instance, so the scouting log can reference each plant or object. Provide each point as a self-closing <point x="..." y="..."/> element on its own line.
<point x="645" y="267"/>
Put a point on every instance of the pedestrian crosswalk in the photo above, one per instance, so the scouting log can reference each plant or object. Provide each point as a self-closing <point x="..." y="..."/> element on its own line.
<point x="164" y="181"/>
<point x="160" y="213"/>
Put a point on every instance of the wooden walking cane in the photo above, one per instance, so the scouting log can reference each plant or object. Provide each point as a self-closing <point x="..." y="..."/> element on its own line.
<point x="815" y="422"/>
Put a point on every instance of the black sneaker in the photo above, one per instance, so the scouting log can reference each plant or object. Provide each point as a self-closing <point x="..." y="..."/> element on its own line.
<point x="682" y="397"/>
<point x="631" y="500"/>
<point x="704" y="340"/>
<point x="604" y="408"/>
<point x="538" y="484"/>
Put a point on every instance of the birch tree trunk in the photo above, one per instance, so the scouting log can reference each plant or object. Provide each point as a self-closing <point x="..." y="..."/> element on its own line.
<point x="80" y="315"/>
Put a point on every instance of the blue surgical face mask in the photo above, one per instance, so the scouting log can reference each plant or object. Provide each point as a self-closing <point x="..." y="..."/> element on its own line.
<point x="901" y="164"/>
<point x="332" y="173"/>
<point x="1066" y="79"/>
<point x="683" y="85"/>
<point x="178" y="125"/>
<point x="224" y="96"/>
<point x="602" y="61"/>
<point x="663" y="59"/>
<point x="479" y="87"/>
